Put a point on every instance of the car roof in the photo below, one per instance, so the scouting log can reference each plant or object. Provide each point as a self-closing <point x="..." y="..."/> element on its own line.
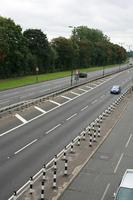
<point x="127" y="180"/>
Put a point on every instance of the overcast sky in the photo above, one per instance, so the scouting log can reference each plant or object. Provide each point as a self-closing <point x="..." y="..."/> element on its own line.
<point x="113" y="17"/>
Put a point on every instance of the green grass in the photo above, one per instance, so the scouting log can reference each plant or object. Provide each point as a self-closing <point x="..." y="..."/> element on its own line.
<point x="28" y="80"/>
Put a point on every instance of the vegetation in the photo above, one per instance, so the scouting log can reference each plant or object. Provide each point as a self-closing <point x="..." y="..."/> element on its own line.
<point x="29" y="52"/>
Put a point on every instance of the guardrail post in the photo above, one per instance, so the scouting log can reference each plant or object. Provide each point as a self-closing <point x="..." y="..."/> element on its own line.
<point x="31" y="185"/>
<point x="79" y="140"/>
<point x="84" y="133"/>
<point x="90" y="141"/>
<point x="98" y="134"/>
<point x="42" y="190"/>
<point x="64" y="154"/>
<point x="66" y="168"/>
<point x="54" y="180"/>
<point x="55" y="162"/>
<point x="72" y="151"/>
<point x="14" y="195"/>
<point x="44" y="173"/>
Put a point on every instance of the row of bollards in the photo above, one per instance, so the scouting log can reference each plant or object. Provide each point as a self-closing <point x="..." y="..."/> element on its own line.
<point x="93" y="131"/>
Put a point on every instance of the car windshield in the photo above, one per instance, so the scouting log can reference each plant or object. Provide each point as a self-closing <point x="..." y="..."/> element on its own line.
<point x="125" y="194"/>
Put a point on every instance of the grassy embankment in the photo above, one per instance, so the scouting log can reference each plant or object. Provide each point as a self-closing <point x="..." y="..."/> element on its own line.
<point x="28" y="80"/>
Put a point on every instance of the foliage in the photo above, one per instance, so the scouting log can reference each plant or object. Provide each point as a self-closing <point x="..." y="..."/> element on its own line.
<point x="21" y="53"/>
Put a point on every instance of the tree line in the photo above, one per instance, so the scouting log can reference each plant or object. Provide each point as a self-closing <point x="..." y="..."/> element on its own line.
<point x="24" y="52"/>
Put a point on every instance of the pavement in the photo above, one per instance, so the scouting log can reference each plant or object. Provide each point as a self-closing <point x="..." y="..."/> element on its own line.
<point x="75" y="185"/>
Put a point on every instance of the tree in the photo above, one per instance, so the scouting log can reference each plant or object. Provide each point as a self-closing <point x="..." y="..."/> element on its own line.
<point x="64" y="53"/>
<point x="39" y="47"/>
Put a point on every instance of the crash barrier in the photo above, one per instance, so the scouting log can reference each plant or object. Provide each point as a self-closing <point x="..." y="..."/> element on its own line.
<point x="91" y="133"/>
<point x="25" y="104"/>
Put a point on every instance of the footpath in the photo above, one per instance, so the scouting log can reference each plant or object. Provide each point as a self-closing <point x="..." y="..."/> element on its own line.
<point x="55" y="177"/>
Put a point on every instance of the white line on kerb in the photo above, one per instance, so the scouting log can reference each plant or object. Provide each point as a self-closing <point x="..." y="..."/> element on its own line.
<point x="21" y="118"/>
<point x="84" y="108"/>
<point x="71" y="117"/>
<point x="25" y="146"/>
<point x="40" y="109"/>
<point x="128" y="141"/>
<point x="118" y="163"/>
<point x="55" y="102"/>
<point x="105" y="192"/>
<point x="53" y="128"/>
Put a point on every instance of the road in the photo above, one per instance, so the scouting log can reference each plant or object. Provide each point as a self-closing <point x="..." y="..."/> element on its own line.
<point x="35" y="141"/>
<point x="29" y="92"/>
<point x="107" y="165"/>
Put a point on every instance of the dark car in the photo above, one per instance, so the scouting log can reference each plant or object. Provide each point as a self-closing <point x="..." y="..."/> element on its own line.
<point x="116" y="89"/>
<point x="82" y="75"/>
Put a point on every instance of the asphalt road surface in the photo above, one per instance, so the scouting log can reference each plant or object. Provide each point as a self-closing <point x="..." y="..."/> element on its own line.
<point x="101" y="176"/>
<point x="40" y="134"/>
<point x="30" y="92"/>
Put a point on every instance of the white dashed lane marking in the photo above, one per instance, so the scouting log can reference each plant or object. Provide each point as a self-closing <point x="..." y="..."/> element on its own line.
<point x="25" y="146"/>
<point x="53" y="128"/>
<point x="94" y="101"/>
<point x="21" y="118"/>
<point x="84" y="108"/>
<point x="71" y="116"/>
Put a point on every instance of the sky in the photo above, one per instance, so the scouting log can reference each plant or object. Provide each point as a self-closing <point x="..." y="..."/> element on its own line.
<point x="54" y="17"/>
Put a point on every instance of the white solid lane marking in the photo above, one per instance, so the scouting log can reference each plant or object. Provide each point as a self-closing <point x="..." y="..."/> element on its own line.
<point x="94" y="101"/>
<point x="66" y="97"/>
<point x="71" y="116"/>
<point x="84" y="108"/>
<point x="40" y="109"/>
<point x="58" y="104"/>
<point x="82" y="90"/>
<point x="21" y="118"/>
<point x="128" y="141"/>
<point x="105" y="192"/>
<point x="25" y="146"/>
<point x="75" y="93"/>
<point x="53" y="128"/>
<point x="118" y="163"/>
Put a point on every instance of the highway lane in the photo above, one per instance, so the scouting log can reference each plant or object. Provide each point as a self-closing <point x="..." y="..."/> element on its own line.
<point x="18" y="163"/>
<point x="100" y="178"/>
<point x="29" y="92"/>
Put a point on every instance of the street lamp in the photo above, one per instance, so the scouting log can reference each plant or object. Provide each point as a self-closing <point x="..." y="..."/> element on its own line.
<point x="71" y="63"/>
<point x="37" y="70"/>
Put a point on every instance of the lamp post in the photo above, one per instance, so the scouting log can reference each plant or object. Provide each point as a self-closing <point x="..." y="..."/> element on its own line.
<point x="37" y="70"/>
<point x="72" y="27"/>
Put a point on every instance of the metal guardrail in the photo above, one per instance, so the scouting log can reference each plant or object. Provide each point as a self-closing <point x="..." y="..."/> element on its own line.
<point x="24" y="104"/>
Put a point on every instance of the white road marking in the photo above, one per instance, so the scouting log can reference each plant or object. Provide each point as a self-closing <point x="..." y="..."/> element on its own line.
<point x="66" y="97"/>
<point x="94" y="101"/>
<point x="6" y="132"/>
<point x="58" y="104"/>
<point x="40" y="109"/>
<point x="25" y="146"/>
<point x="118" y="163"/>
<point x="21" y="118"/>
<point x="105" y="192"/>
<point x="84" y="108"/>
<point x="75" y="93"/>
<point x="89" y="87"/>
<point x="128" y="141"/>
<point x="94" y="84"/>
<point x="82" y="90"/>
<point x="71" y="116"/>
<point x="102" y="96"/>
<point x="53" y="128"/>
